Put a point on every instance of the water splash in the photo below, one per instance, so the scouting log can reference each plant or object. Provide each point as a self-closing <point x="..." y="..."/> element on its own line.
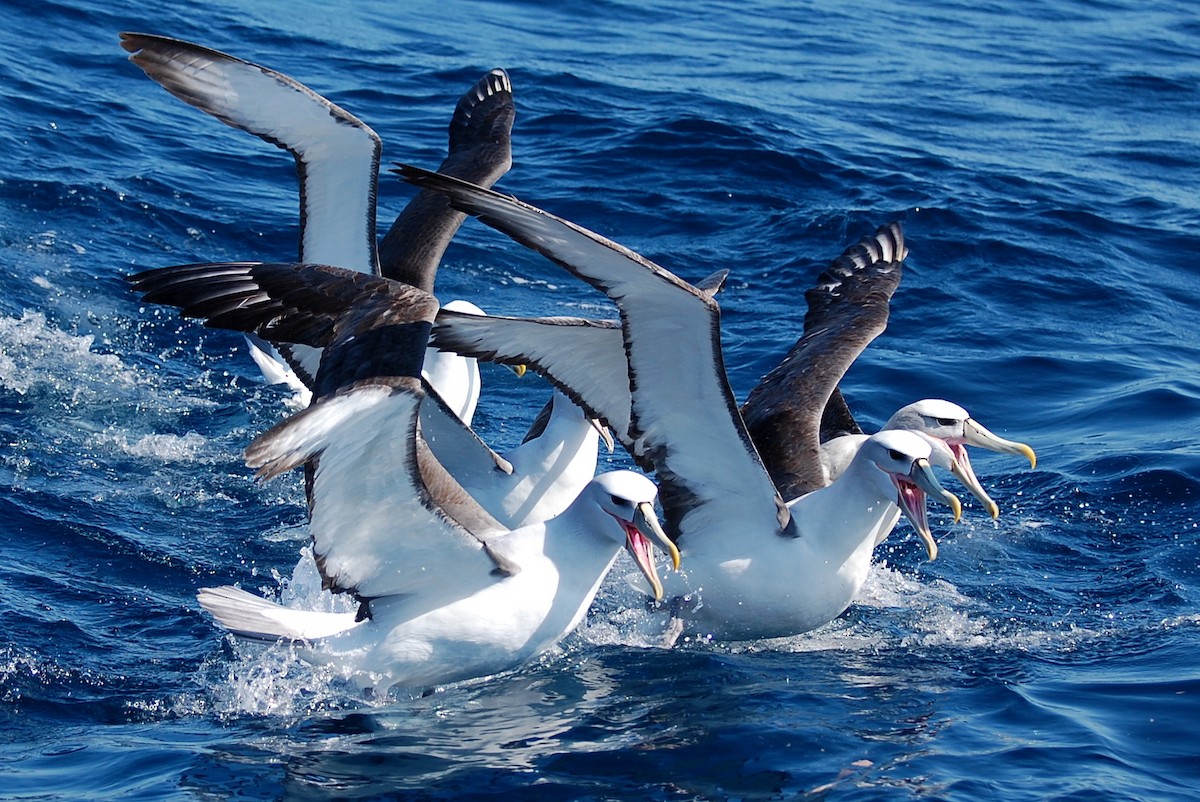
<point x="37" y="357"/>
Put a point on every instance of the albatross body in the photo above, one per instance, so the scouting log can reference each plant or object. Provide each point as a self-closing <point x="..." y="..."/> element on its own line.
<point x="760" y="567"/>
<point x="446" y="592"/>
<point x="548" y="471"/>
<point x="785" y="586"/>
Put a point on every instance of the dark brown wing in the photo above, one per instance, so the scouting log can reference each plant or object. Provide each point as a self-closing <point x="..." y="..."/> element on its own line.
<point x="368" y="326"/>
<point x="480" y="152"/>
<point x="847" y="309"/>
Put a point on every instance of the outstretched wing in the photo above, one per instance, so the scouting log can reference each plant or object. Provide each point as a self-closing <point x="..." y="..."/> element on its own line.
<point x="585" y="359"/>
<point x="683" y="418"/>
<point x="847" y="309"/>
<point x="379" y="528"/>
<point x="385" y="516"/>
<point x="291" y="302"/>
<point x="337" y="154"/>
<point x="480" y="152"/>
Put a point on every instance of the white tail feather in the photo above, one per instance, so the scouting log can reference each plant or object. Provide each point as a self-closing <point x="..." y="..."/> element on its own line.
<point x="253" y="616"/>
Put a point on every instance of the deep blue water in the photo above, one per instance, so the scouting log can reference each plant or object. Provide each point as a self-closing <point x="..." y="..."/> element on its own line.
<point x="1045" y="159"/>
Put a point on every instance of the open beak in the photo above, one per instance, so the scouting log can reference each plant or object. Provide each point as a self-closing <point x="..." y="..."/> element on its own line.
<point x="960" y="468"/>
<point x="605" y="435"/>
<point x="911" y="492"/>
<point x="975" y="434"/>
<point x="640" y="538"/>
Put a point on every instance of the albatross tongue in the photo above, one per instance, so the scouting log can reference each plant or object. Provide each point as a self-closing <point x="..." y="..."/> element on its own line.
<point x="911" y="492"/>
<point x="643" y="554"/>
<point x="911" y="500"/>
<point x="963" y="471"/>
<point x="640" y="536"/>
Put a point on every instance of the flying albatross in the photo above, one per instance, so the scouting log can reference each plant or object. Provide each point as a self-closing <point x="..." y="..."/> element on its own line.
<point x="446" y="592"/>
<point x="337" y="162"/>
<point x="761" y="567"/>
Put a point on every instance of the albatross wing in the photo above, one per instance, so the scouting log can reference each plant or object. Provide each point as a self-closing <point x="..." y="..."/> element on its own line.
<point x="337" y="154"/>
<point x="847" y="309"/>
<point x="480" y="152"/>
<point x="585" y="359"/>
<point x="377" y="528"/>
<point x="682" y="409"/>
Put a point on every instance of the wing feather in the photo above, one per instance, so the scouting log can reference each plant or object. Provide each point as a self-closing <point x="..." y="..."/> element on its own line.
<point x="847" y="309"/>
<point x="585" y="359"/>
<point x="683" y="416"/>
<point x="376" y="527"/>
<point x="337" y="154"/>
<point x="480" y="152"/>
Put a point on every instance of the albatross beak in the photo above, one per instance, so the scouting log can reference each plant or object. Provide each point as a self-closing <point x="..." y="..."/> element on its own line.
<point x="605" y="435"/>
<point x="960" y="468"/>
<point x="912" y="490"/>
<point x="644" y="531"/>
<point x="975" y="434"/>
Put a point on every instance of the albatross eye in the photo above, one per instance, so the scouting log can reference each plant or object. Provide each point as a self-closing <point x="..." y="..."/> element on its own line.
<point x="946" y="421"/>
<point x="618" y="500"/>
<point x="896" y="455"/>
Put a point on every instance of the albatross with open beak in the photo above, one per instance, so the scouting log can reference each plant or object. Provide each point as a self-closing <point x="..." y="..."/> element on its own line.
<point x="445" y="591"/>
<point x="949" y="428"/>
<point x="761" y="567"/>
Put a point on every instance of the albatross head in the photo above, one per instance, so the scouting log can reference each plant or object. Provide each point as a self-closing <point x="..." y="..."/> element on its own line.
<point x="954" y="427"/>
<point x="904" y="457"/>
<point x="629" y="498"/>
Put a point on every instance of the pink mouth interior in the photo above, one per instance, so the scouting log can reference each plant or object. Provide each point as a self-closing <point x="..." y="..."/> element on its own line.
<point x="960" y="455"/>
<point x="638" y="544"/>
<point x="912" y="499"/>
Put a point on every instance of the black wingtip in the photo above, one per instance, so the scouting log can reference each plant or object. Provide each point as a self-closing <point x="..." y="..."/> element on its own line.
<point x="417" y="176"/>
<point x="428" y="179"/>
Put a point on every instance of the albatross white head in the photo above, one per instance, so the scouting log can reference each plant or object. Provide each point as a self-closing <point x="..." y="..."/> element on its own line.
<point x="629" y="498"/>
<point x="951" y="428"/>
<point x="904" y="458"/>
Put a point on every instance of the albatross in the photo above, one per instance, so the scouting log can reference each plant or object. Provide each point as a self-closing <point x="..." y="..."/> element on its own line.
<point x="847" y="308"/>
<point x="445" y="591"/>
<point x="337" y="162"/>
<point x="761" y="567"/>
<point x="850" y="299"/>
<point x="949" y="428"/>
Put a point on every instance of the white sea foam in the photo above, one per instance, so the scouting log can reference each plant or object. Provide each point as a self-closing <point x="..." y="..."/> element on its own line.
<point x="894" y="610"/>
<point x="190" y="447"/>
<point x="273" y="678"/>
<point x="35" y="355"/>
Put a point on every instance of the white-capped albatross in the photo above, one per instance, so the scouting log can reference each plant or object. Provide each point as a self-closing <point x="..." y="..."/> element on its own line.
<point x="851" y="300"/>
<point x="761" y="568"/>
<point x="446" y="592"/>
<point x="337" y="163"/>
<point x="950" y="428"/>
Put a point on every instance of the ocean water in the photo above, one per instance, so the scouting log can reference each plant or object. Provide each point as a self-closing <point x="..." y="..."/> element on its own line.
<point x="1045" y="160"/>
